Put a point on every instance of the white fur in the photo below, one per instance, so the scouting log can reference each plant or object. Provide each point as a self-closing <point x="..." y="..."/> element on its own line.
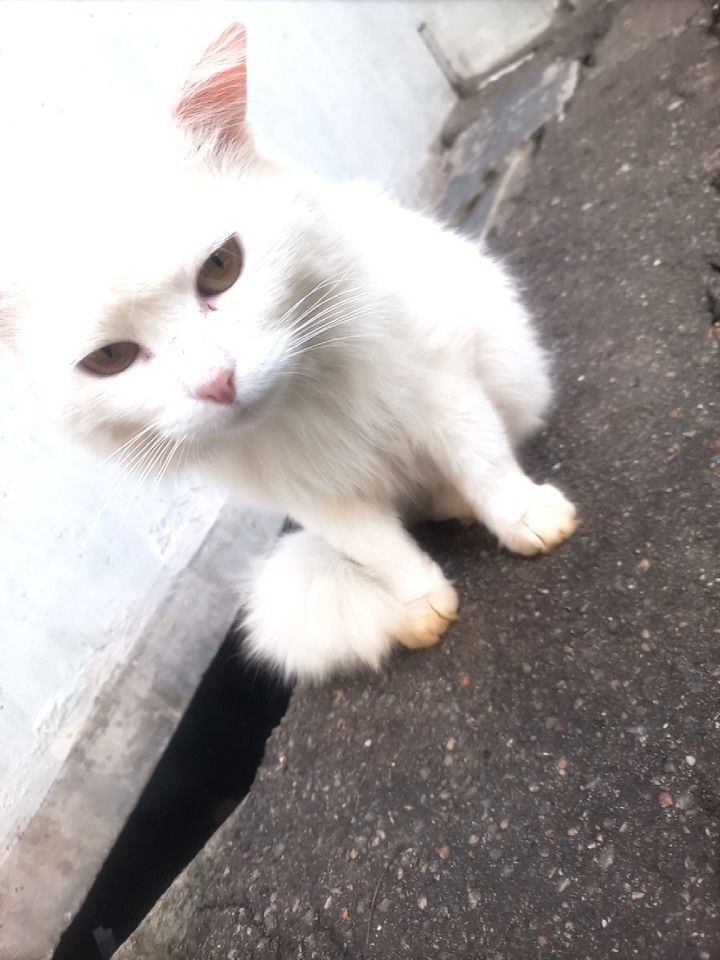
<point x="384" y="366"/>
<point x="331" y="615"/>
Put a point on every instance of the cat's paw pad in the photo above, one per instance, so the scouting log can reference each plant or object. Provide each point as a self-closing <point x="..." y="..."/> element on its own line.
<point x="548" y="519"/>
<point x="429" y="617"/>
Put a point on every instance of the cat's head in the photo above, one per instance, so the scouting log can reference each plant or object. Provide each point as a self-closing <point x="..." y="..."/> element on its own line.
<point x="155" y="284"/>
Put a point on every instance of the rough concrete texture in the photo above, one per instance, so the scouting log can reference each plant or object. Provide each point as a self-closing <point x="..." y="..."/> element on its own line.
<point x="544" y="784"/>
<point x="489" y="136"/>
<point x="474" y="39"/>
<point x="512" y="113"/>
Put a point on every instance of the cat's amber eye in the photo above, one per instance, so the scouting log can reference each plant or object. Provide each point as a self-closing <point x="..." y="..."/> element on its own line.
<point x="107" y="361"/>
<point x="221" y="269"/>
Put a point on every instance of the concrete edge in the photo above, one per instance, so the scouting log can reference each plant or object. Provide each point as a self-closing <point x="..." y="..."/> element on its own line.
<point x="46" y="876"/>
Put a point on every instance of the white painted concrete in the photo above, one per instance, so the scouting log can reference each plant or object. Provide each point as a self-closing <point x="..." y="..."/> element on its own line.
<point x="477" y="37"/>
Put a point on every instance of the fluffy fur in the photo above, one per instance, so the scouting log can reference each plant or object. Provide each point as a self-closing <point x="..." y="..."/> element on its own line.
<point x="383" y="366"/>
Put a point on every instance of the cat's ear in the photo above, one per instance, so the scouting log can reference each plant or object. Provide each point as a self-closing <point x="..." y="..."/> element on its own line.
<point x="213" y="101"/>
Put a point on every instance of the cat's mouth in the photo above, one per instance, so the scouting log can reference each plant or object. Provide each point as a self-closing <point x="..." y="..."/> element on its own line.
<point x="212" y="419"/>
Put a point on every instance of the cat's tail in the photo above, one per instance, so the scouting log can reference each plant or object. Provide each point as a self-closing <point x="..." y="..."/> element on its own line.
<point x="312" y="612"/>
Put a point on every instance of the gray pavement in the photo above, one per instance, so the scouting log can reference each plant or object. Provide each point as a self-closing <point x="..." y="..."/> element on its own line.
<point x="547" y="782"/>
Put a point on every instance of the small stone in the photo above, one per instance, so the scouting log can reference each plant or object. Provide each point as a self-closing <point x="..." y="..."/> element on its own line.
<point x="504" y="823"/>
<point x="690" y="760"/>
<point x="644" y="564"/>
<point x="646" y="648"/>
<point x="637" y="895"/>
<point x="665" y="800"/>
<point x="543" y="941"/>
<point x="563" y="885"/>
<point x="451" y="744"/>
<point x="353" y="854"/>
<point x="562" y="764"/>
<point x="473" y="898"/>
<point x="444" y="852"/>
<point x="606" y="858"/>
<point x="368" y="743"/>
<point x="474" y="839"/>
<point x="422" y="902"/>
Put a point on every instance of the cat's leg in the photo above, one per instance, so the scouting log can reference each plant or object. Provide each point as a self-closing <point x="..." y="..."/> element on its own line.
<point x="310" y="612"/>
<point x="474" y="449"/>
<point x="314" y="609"/>
<point x="377" y="542"/>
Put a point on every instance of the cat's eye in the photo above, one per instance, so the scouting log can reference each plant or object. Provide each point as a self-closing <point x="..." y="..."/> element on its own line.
<point x="112" y="359"/>
<point x="221" y="269"/>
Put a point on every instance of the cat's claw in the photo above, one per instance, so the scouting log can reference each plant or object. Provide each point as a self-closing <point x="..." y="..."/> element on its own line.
<point x="547" y="521"/>
<point x="428" y="618"/>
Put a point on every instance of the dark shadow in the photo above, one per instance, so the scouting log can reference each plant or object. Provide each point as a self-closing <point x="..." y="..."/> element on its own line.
<point x="206" y="770"/>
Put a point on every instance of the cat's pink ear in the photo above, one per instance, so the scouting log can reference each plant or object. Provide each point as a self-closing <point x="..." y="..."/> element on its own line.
<point x="213" y="100"/>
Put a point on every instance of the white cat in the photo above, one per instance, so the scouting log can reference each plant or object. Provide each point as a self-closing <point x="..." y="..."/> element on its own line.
<point x="314" y="347"/>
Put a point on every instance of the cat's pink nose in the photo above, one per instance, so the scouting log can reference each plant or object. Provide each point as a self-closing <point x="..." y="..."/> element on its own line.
<point x="221" y="388"/>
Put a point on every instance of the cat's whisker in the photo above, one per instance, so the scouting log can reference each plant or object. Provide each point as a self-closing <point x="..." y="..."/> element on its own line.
<point x="342" y="299"/>
<point x="334" y="281"/>
<point x="140" y="463"/>
<point x="330" y="296"/>
<point x="326" y="343"/>
<point x="126" y="467"/>
<point x="143" y="468"/>
<point x="350" y="309"/>
<point x="331" y="324"/>
<point x="168" y="460"/>
<point x="303" y="373"/>
<point x="127" y="444"/>
<point x="151" y="463"/>
<point x="318" y="286"/>
<point x="317" y="334"/>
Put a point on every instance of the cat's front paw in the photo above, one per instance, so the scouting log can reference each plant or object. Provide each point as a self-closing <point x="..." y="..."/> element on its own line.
<point x="543" y="521"/>
<point x="428" y="618"/>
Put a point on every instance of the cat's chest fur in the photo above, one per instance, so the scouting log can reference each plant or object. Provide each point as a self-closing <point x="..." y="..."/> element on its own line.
<point x="359" y="433"/>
